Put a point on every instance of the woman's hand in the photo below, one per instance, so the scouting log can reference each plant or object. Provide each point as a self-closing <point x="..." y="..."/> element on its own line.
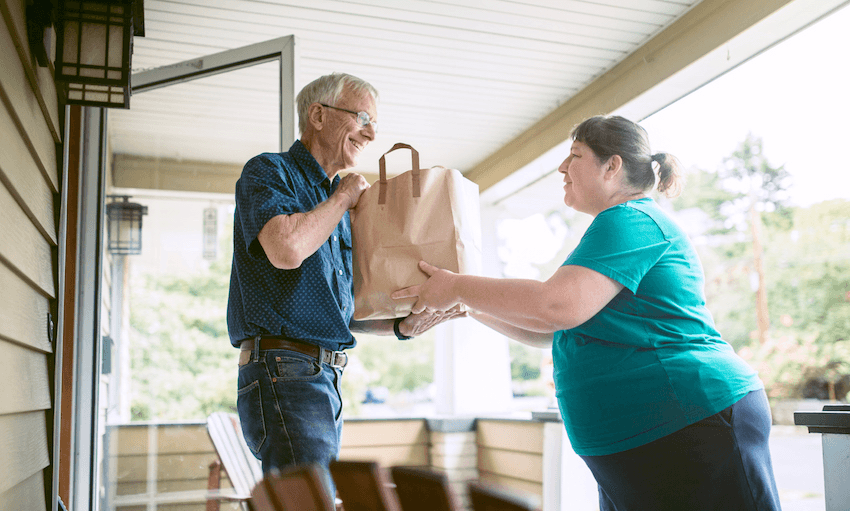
<point x="435" y="295"/>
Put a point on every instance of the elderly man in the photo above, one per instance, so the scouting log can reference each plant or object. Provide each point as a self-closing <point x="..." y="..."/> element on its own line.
<point x="291" y="296"/>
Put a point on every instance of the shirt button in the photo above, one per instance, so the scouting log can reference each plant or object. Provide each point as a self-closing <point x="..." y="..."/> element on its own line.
<point x="340" y="272"/>
<point x="334" y="238"/>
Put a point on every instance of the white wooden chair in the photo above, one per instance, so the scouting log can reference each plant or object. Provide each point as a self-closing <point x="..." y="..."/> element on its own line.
<point x="242" y="468"/>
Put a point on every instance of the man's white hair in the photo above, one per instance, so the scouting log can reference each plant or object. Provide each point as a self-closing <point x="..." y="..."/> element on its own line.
<point x="327" y="89"/>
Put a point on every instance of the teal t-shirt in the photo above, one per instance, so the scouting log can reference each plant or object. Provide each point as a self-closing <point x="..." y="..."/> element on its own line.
<point x="651" y="361"/>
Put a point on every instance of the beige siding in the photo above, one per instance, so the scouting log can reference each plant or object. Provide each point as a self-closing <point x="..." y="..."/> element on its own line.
<point x="28" y="494"/>
<point x="181" y="460"/>
<point x="510" y="453"/>
<point x="389" y="442"/>
<point x="29" y="177"/>
<point x="183" y="452"/>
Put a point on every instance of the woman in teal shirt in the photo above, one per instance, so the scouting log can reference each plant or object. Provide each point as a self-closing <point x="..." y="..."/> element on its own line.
<point x="662" y="410"/>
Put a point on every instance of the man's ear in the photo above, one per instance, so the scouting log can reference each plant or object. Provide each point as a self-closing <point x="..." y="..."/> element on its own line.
<point x="316" y="116"/>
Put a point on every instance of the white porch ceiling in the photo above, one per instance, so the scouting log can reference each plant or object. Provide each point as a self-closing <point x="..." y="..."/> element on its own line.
<point x="458" y="79"/>
<point x="483" y="86"/>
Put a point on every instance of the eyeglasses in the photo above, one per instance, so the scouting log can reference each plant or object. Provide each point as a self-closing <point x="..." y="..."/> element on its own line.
<point x="363" y="118"/>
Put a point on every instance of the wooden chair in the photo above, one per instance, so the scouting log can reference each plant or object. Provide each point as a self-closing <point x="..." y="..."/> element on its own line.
<point x="484" y="497"/>
<point x="301" y="488"/>
<point x="362" y="486"/>
<point x="422" y="489"/>
<point x="242" y="468"/>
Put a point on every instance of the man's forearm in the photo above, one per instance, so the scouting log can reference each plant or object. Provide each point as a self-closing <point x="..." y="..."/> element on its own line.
<point x="289" y="239"/>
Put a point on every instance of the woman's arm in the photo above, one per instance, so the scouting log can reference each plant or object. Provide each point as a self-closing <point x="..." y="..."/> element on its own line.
<point x="570" y="297"/>
<point x="533" y="339"/>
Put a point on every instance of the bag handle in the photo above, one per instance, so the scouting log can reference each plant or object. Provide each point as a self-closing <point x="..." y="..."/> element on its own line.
<point x="382" y="179"/>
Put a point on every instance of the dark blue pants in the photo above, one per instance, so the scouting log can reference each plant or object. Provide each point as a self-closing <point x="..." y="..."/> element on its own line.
<point x="720" y="463"/>
<point x="290" y="409"/>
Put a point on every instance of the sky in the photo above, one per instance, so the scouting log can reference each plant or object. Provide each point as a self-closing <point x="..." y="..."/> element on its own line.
<point x="795" y="96"/>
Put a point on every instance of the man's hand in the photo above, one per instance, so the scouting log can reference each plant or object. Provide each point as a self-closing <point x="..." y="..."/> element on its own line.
<point x="416" y="324"/>
<point x="352" y="186"/>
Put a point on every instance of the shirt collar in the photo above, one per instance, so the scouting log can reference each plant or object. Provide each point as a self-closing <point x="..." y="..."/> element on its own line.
<point x="314" y="172"/>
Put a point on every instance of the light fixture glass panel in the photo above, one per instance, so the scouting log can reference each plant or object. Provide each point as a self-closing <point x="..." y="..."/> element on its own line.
<point x="116" y="47"/>
<point x="93" y="49"/>
<point x="71" y="45"/>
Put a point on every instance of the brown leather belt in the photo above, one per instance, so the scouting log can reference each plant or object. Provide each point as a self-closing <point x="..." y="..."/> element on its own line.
<point x="268" y="342"/>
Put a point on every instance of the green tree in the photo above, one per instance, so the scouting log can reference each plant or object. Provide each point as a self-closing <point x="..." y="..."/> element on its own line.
<point x="182" y="364"/>
<point x="809" y="292"/>
<point x="757" y="187"/>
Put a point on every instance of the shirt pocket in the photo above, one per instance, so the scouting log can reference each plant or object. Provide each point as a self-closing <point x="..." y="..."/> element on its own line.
<point x="346" y="249"/>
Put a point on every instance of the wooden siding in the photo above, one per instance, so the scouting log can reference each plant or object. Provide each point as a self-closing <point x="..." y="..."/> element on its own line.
<point x="29" y="178"/>
<point x="182" y="454"/>
<point x="389" y="442"/>
<point x="158" y="459"/>
<point x="510" y="453"/>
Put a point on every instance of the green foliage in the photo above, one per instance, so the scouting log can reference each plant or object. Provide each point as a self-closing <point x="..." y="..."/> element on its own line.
<point x="705" y="193"/>
<point x="182" y="364"/>
<point x="753" y="182"/>
<point x="525" y="362"/>
<point x="404" y="368"/>
<point x="807" y="268"/>
<point x="398" y="365"/>
<point x="806" y="258"/>
<point x="789" y="364"/>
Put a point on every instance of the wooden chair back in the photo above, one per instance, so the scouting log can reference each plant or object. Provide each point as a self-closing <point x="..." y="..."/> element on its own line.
<point x="491" y="498"/>
<point x="300" y="488"/>
<point x="362" y="486"/>
<point x="422" y="489"/>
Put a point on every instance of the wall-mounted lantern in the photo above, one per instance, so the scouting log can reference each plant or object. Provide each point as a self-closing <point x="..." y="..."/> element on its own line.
<point x="124" y="224"/>
<point x="94" y="44"/>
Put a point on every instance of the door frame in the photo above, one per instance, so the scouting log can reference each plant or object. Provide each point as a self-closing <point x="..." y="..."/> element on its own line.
<point x="82" y="466"/>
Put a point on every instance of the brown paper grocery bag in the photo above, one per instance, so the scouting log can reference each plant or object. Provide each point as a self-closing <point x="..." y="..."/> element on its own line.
<point x="423" y="214"/>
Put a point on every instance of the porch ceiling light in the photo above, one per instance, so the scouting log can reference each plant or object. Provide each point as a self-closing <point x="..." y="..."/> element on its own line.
<point x="93" y="49"/>
<point x="124" y="224"/>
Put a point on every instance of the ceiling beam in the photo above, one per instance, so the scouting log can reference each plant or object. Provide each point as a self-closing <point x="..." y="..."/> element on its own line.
<point x="702" y="32"/>
<point x="146" y="173"/>
<point x="172" y="175"/>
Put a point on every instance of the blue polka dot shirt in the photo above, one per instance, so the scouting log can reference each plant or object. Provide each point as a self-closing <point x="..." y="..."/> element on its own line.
<point x="312" y="303"/>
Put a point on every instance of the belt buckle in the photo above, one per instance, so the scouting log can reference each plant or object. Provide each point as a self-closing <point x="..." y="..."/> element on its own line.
<point x="344" y="356"/>
<point x="331" y="358"/>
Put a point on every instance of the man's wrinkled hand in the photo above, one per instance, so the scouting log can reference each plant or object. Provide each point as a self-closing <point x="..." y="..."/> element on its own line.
<point x="352" y="187"/>
<point x="416" y="324"/>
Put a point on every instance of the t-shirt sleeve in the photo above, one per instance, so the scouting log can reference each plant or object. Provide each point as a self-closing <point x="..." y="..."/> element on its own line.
<point x="263" y="191"/>
<point x="622" y="244"/>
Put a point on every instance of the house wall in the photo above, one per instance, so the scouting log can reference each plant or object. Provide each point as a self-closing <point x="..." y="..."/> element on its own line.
<point x="510" y="453"/>
<point x="29" y="186"/>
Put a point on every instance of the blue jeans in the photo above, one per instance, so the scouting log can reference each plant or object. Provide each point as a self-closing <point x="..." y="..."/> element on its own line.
<point x="721" y="463"/>
<point x="290" y="408"/>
